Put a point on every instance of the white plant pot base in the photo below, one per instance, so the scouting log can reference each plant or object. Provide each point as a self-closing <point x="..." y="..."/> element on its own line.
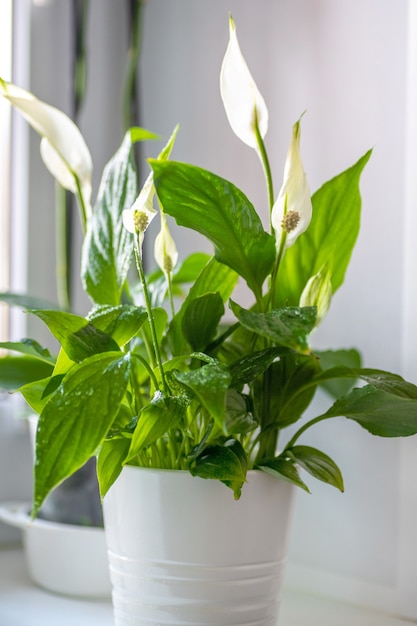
<point x="63" y="558"/>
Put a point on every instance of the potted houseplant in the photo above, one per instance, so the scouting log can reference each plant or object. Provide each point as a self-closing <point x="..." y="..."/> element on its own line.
<point x="184" y="406"/>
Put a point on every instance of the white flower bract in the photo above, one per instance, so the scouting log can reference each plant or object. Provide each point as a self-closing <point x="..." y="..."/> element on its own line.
<point x="241" y="97"/>
<point x="318" y="293"/>
<point x="63" y="148"/>
<point x="292" y="210"/>
<point x="165" y="250"/>
<point x="142" y="205"/>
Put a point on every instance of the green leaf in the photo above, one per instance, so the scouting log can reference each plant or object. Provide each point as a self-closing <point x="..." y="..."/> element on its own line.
<point x="214" y="207"/>
<point x="120" y="322"/>
<point x="25" y="301"/>
<point x="226" y="462"/>
<point x="385" y="381"/>
<point x="246" y="369"/>
<point x="239" y="418"/>
<point x="108" y="246"/>
<point x="190" y="268"/>
<point x="201" y="319"/>
<point x="76" y="419"/>
<point x="288" y="326"/>
<point x="155" y="419"/>
<point x="214" y="278"/>
<point x="35" y="392"/>
<point x="209" y="383"/>
<point x="330" y="359"/>
<point x="282" y="467"/>
<point x="290" y="390"/>
<point x="379" y="411"/>
<point x="77" y="336"/>
<point x="29" y="347"/>
<point x="110" y="460"/>
<point x="185" y="272"/>
<point x="16" y="371"/>
<point x="318" y="464"/>
<point x="330" y="237"/>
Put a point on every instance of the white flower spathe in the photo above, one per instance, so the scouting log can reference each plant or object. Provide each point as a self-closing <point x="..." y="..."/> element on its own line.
<point x="242" y="100"/>
<point x="292" y="211"/>
<point x="318" y="293"/>
<point x="63" y="148"/>
<point x="139" y="216"/>
<point x="165" y="250"/>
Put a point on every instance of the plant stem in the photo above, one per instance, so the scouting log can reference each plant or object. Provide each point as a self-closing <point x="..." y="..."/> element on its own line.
<point x="274" y="275"/>
<point x="61" y="248"/>
<point x="82" y="206"/>
<point x="151" y="319"/>
<point x="307" y="425"/>
<point x="148" y="369"/>
<point x="266" y="167"/>
<point x="170" y="293"/>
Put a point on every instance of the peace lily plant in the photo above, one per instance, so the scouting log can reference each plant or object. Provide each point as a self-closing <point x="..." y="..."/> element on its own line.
<point x="168" y="370"/>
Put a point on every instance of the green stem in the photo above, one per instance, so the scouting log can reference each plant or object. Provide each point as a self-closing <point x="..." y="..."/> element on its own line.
<point x="61" y="248"/>
<point x="266" y="167"/>
<point x="139" y="265"/>
<point x="83" y="209"/>
<point x="274" y="275"/>
<point x="170" y="292"/>
<point x="307" y="425"/>
<point x="148" y="369"/>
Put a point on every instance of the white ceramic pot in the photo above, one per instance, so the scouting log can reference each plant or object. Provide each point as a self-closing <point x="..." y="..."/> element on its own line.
<point x="183" y="552"/>
<point x="63" y="558"/>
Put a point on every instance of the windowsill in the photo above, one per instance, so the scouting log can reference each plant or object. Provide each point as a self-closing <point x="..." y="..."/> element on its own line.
<point x="24" y="604"/>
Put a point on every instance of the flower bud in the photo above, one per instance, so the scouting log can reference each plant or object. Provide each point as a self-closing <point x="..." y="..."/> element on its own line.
<point x="242" y="99"/>
<point x="165" y="250"/>
<point x="318" y="293"/>
<point x="292" y="210"/>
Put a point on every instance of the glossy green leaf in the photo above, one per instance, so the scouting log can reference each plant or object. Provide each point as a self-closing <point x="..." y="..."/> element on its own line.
<point x="318" y="465"/>
<point x="380" y="379"/>
<point x="156" y="419"/>
<point x="246" y="369"/>
<point x="29" y="347"/>
<point x="214" y="207"/>
<point x="330" y="359"/>
<point x="76" y="419"/>
<point x="209" y="383"/>
<point x="190" y="268"/>
<point x="214" y="278"/>
<point x="120" y="322"/>
<point x="16" y="371"/>
<point x="290" y="391"/>
<point x="239" y="418"/>
<point x="378" y="411"/>
<point x="201" y="318"/>
<point x="35" y="392"/>
<point x="25" y="301"/>
<point x="108" y="246"/>
<point x="330" y="238"/>
<point x="77" y="336"/>
<point x="226" y="462"/>
<point x="282" y="467"/>
<point x="110" y="460"/>
<point x="289" y="326"/>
